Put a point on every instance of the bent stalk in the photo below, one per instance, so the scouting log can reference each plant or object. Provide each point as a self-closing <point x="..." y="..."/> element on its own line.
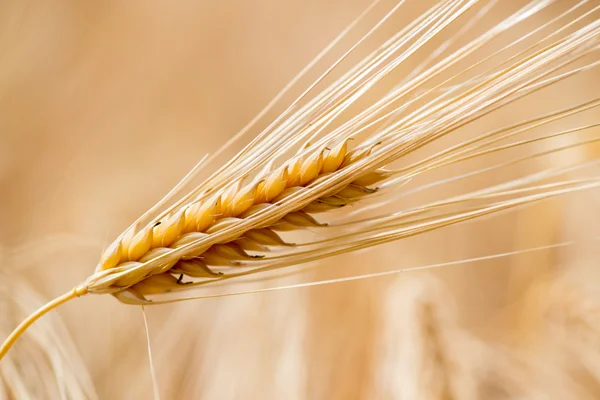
<point x="23" y="326"/>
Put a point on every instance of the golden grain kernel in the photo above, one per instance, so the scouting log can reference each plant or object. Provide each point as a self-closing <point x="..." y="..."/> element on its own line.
<point x="324" y="205"/>
<point x="311" y="167"/>
<point x="169" y="230"/>
<point x="223" y="224"/>
<point x="289" y="192"/>
<point x="275" y="183"/>
<point x="356" y="155"/>
<point x="294" y="169"/>
<point x="190" y="213"/>
<point x="159" y="252"/>
<point x="218" y="261"/>
<point x="156" y="284"/>
<point x="301" y="219"/>
<point x="195" y="268"/>
<point x="111" y="256"/>
<point x="140" y="244"/>
<point x="265" y="237"/>
<point x="255" y="209"/>
<point x="243" y="200"/>
<point x="260" y="195"/>
<point x="189" y="239"/>
<point x="134" y="276"/>
<point x="334" y="157"/>
<point x="230" y="251"/>
<point x="208" y="214"/>
<point x="228" y="198"/>
<point x="125" y="243"/>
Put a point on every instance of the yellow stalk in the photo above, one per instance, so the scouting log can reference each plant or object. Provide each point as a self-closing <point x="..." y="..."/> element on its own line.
<point x="23" y="326"/>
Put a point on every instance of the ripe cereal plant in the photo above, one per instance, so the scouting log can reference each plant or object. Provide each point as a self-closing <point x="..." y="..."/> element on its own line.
<point x="342" y="160"/>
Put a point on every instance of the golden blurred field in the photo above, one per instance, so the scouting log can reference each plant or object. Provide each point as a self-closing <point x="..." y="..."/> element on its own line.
<point x="104" y="106"/>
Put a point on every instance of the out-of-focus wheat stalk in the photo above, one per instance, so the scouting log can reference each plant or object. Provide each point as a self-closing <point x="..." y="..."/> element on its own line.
<point x="360" y="146"/>
<point x="428" y="356"/>
<point x="47" y="364"/>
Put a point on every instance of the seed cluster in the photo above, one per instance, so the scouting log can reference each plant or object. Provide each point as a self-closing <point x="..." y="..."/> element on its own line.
<point x="198" y="220"/>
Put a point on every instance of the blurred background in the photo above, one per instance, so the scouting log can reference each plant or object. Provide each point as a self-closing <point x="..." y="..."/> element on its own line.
<point x="104" y="106"/>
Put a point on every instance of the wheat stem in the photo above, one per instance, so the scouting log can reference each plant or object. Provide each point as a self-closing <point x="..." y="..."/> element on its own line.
<point x="23" y="326"/>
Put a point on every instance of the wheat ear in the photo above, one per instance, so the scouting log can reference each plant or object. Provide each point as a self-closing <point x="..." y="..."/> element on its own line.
<point x="230" y="225"/>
